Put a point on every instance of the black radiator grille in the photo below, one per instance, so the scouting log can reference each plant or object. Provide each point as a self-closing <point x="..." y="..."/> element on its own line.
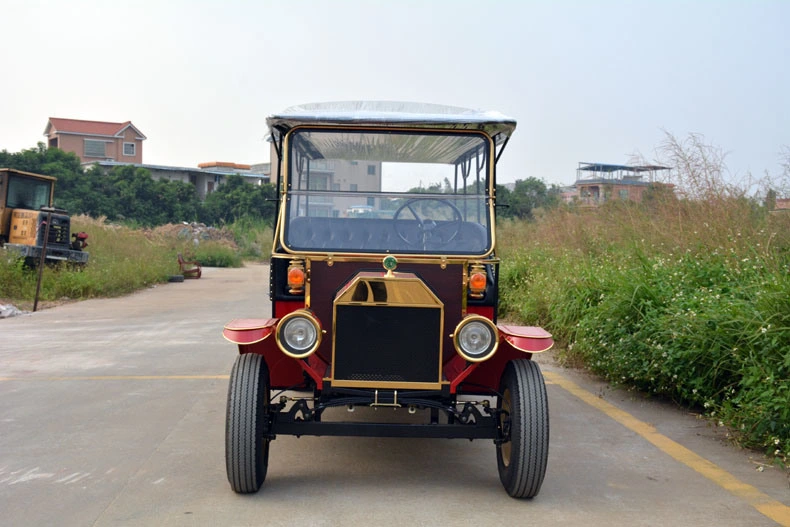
<point x="59" y="227"/>
<point x="387" y="344"/>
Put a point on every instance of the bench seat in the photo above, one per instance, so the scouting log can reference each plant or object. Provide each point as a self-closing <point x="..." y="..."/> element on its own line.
<point x="379" y="235"/>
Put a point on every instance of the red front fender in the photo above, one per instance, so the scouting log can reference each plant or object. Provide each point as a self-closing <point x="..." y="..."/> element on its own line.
<point x="252" y="336"/>
<point x="528" y="339"/>
<point x="515" y="342"/>
<point x="243" y="331"/>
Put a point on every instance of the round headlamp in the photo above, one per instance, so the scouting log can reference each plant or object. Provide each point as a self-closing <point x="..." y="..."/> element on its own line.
<point x="476" y="338"/>
<point x="298" y="334"/>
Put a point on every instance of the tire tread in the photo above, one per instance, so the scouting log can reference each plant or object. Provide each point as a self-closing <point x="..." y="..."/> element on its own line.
<point x="246" y="452"/>
<point x="529" y="430"/>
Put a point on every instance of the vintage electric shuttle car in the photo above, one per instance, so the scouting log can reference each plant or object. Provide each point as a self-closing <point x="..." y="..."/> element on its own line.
<point x="384" y="277"/>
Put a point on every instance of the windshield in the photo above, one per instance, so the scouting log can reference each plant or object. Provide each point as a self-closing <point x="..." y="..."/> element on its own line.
<point x="28" y="193"/>
<point x="388" y="192"/>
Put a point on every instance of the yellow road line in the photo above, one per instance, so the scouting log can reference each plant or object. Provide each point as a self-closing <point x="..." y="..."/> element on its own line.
<point x="118" y="378"/>
<point x="766" y="505"/>
<point x="777" y="511"/>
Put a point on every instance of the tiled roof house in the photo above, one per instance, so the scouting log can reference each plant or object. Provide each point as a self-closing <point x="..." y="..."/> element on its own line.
<point x="96" y="140"/>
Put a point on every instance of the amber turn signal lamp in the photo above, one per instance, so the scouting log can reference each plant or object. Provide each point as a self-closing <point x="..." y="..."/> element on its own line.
<point x="477" y="281"/>
<point x="296" y="277"/>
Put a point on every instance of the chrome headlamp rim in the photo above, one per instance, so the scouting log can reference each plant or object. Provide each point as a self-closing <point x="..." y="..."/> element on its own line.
<point x="492" y="347"/>
<point x="282" y="340"/>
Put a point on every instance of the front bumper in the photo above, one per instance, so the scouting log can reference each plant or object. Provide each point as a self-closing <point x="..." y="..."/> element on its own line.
<point x="54" y="254"/>
<point x="440" y="417"/>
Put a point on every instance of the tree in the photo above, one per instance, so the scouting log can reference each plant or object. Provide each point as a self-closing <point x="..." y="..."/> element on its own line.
<point x="237" y="199"/>
<point x="126" y="192"/>
<point x="137" y="196"/>
<point x="526" y="196"/>
<point x="42" y="160"/>
<point x="503" y="202"/>
<point x="65" y="166"/>
<point x="130" y="193"/>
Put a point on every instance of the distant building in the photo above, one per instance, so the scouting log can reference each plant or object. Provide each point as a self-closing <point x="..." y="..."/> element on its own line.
<point x="96" y="140"/>
<point x="262" y="168"/>
<point x="119" y="144"/>
<point x="782" y="204"/>
<point x="569" y="194"/>
<point x="224" y="166"/>
<point x="337" y="175"/>
<point x="206" y="177"/>
<point x="597" y="183"/>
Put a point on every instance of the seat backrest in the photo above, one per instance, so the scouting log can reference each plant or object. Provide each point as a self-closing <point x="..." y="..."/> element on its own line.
<point x="376" y="234"/>
<point x="346" y="234"/>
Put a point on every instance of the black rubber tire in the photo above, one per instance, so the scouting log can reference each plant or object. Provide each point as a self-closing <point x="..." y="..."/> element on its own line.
<point x="176" y="278"/>
<point x="246" y="450"/>
<point x="522" y="460"/>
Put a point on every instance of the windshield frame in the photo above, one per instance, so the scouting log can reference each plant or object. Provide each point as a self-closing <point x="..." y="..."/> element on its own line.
<point x="486" y="195"/>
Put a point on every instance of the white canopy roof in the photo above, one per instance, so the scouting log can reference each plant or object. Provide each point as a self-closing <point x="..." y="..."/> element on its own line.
<point x="394" y="114"/>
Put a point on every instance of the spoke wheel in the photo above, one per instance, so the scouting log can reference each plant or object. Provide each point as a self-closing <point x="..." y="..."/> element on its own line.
<point x="524" y="420"/>
<point x="246" y="450"/>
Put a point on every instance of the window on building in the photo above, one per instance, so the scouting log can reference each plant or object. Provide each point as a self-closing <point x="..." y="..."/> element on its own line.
<point x="623" y="193"/>
<point x="129" y="149"/>
<point x="371" y="170"/>
<point x="353" y="187"/>
<point x="323" y="164"/>
<point x="319" y="182"/>
<point x="95" y="148"/>
<point x="335" y="186"/>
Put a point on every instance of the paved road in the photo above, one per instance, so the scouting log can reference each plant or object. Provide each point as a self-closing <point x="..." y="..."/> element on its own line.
<point x="112" y="413"/>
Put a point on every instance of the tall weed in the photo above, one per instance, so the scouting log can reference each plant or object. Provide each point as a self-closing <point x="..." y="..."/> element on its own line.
<point x="124" y="259"/>
<point x="253" y="237"/>
<point x="680" y="298"/>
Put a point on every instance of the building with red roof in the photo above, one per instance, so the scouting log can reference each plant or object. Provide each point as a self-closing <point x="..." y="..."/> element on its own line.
<point x="96" y="140"/>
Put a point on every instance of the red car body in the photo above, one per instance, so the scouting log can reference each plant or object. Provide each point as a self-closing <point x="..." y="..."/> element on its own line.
<point x="386" y="296"/>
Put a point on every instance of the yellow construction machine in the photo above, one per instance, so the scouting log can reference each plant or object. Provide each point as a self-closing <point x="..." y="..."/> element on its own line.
<point x="30" y="225"/>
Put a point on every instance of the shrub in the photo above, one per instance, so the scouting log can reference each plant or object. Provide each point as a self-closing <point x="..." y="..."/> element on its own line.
<point x="685" y="299"/>
<point x="214" y="254"/>
<point x="122" y="260"/>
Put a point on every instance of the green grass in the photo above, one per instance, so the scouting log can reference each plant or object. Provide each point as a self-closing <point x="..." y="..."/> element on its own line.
<point x="253" y="237"/>
<point x="124" y="260"/>
<point x="688" y="300"/>
<point x="121" y="261"/>
<point x="213" y="254"/>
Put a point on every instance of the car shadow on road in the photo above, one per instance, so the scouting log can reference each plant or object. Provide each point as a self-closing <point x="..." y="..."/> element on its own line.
<point x="392" y="465"/>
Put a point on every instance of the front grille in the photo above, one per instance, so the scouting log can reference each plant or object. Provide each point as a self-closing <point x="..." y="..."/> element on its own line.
<point x="375" y="377"/>
<point x="387" y="344"/>
<point x="59" y="227"/>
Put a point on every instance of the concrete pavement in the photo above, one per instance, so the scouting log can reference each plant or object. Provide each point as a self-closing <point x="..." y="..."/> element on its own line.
<point x="112" y="413"/>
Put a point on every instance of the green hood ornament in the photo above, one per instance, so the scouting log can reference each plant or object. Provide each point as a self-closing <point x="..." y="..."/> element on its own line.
<point x="390" y="263"/>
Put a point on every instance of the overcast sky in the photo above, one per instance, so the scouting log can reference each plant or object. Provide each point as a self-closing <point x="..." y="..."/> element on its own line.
<point x="586" y="81"/>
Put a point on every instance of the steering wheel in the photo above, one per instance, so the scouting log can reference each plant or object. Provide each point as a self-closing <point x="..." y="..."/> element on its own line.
<point x="431" y="227"/>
